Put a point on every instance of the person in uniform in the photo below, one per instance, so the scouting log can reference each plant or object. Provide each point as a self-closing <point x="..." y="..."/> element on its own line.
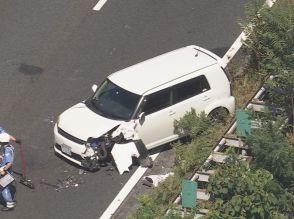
<point x="6" y="163"/>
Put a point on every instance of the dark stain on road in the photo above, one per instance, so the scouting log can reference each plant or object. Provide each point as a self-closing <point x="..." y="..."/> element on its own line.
<point x="30" y="69"/>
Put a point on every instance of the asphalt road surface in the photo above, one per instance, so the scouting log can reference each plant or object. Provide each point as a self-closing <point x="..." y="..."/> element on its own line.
<point x="52" y="51"/>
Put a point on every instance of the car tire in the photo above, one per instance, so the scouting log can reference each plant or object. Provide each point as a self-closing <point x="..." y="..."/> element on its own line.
<point x="219" y="114"/>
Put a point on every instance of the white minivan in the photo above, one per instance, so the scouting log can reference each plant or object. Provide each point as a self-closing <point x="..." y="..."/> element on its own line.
<point x="151" y="94"/>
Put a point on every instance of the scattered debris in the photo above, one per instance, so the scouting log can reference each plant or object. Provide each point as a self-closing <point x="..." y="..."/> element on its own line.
<point x="49" y="119"/>
<point x="69" y="182"/>
<point x="110" y="169"/>
<point x="49" y="184"/>
<point x="81" y="171"/>
<point x="154" y="180"/>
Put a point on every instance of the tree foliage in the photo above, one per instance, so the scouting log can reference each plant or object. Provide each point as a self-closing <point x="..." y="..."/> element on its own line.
<point x="192" y="124"/>
<point x="281" y="93"/>
<point x="148" y="208"/>
<point x="270" y="34"/>
<point x="273" y="152"/>
<point x="203" y="132"/>
<point x="240" y="192"/>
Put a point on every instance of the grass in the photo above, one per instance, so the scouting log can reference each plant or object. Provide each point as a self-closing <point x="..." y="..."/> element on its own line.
<point x="245" y="82"/>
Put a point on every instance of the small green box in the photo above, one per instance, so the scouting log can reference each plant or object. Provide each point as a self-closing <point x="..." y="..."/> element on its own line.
<point x="189" y="190"/>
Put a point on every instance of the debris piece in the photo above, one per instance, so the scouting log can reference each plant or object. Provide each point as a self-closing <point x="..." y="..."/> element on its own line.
<point x="56" y="187"/>
<point x="110" y="169"/>
<point x="154" y="180"/>
<point x="81" y="171"/>
<point x="122" y="155"/>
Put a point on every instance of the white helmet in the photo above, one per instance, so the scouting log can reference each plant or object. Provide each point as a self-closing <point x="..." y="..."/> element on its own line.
<point x="4" y="137"/>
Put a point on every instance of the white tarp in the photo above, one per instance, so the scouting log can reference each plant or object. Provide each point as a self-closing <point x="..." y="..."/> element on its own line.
<point x="122" y="155"/>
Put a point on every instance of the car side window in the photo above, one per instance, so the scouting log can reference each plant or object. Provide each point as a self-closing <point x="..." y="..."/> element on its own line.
<point x="157" y="101"/>
<point x="190" y="88"/>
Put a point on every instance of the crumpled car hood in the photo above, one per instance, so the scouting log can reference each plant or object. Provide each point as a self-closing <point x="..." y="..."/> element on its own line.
<point x="81" y="122"/>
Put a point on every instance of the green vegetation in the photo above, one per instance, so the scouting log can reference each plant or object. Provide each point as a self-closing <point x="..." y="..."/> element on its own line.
<point x="263" y="188"/>
<point x="244" y="85"/>
<point x="270" y="34"/>
<point x="273" y="152"/>
<point x="241" y="192"/>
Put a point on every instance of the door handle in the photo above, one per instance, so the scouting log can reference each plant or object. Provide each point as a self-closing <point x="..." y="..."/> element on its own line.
<point x="170" y="113"/>
<point x="205" y="98"/>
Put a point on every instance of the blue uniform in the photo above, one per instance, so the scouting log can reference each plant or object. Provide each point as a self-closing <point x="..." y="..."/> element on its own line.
<point x="6" y="156"/>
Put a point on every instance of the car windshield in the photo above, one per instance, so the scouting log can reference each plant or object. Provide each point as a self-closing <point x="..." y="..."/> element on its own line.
<point x="114" y="102"/>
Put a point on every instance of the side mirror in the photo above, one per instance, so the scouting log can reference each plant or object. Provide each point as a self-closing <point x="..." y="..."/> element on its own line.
<point x="94" y="87"/>
<point x="141" y="118"/>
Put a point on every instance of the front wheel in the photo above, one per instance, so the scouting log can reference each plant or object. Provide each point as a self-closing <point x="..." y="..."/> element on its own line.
<point x="219" y="114"/>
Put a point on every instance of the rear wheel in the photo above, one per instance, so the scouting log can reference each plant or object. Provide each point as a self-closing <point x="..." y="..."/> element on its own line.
<point x="219" y="114"/>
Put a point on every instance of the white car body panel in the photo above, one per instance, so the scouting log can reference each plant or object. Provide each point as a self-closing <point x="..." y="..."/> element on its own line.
<point x="166" y="67"/>
<point x="157" y="128"/>
<point x="81" y="122"/>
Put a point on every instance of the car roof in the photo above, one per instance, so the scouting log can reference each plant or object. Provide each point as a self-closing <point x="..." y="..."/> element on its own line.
<point x="163" y="69"/>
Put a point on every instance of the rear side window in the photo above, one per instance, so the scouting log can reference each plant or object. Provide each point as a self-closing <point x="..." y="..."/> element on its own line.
<point x="190" y="88"/>
<point x="157" y="101"/>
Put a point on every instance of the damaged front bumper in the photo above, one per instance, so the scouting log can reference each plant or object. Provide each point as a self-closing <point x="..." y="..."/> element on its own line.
<point x="121" y="154"/>
<point x="119" y="146"/>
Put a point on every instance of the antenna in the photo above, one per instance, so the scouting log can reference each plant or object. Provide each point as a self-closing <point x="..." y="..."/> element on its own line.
<point x="197" y="49"/>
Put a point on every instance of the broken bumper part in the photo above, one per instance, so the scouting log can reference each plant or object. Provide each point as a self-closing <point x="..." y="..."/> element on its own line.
<point x="122" y="155"/>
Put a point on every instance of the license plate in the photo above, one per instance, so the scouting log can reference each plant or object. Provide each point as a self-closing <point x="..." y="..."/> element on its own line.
<point x="66" y="149"/>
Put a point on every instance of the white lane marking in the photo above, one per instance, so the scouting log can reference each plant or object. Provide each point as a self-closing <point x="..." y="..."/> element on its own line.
<point x="108" y="213"/>
<point x="238" y="42"/>
<point x="99" y="5"/>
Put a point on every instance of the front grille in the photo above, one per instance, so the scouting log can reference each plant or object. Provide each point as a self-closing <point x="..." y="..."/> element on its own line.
<point x="70" y="137"/>
<point x="73" y="155"/>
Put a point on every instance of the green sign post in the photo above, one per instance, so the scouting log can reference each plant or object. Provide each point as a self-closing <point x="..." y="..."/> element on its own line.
<point x="243" y="123"/>
<point x="189" y="189"/>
